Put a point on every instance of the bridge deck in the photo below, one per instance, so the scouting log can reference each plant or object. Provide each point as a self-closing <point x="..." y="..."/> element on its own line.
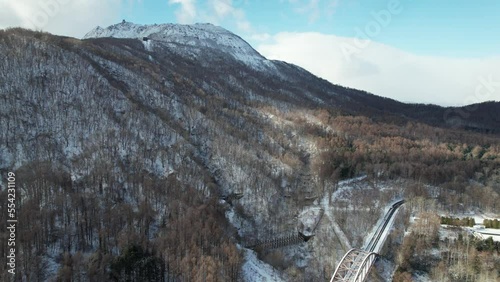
<point x="356" y="263"/>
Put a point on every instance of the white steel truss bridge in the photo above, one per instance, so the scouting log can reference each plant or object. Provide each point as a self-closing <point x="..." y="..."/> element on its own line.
<point x="356" y="263"/>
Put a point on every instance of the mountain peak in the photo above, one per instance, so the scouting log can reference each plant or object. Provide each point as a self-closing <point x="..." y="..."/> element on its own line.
<point x="198" y="36"/>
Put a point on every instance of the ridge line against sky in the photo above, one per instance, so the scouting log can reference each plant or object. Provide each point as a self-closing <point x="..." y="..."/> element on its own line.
<point x="442" y="52"/>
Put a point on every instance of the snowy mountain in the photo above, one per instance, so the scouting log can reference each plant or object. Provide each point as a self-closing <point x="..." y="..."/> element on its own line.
<point x="210" y="45"/>
<point x="196" y="37"/>
<point x="170" y="155"/>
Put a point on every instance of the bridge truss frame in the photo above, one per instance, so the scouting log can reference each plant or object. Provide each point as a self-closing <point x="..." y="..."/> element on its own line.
<point x="354" y="266"/>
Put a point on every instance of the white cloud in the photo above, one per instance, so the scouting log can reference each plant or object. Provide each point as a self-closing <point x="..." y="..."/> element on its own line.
<point x="64" y="17"/>
<point x="315" y="9"/>
<point x="225" y="10"/>
<point x="187" y="13"/>
<point x="260" y="36"/>
<point x="76" y="17"/>
<point x="222" y="7"/>
<point x="309" y="7"/>
<point x="215" y="11"/>
<point x="387" y="71"/>
<point x="332" y="6"/>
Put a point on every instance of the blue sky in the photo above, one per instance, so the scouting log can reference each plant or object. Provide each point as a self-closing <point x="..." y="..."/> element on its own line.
<point x="428" y="27"/>
<point x="427" y="51"/>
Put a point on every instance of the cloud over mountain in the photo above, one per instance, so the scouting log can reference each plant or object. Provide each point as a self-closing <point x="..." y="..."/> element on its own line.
<point x="388" y="71"/>
<point x="62" y="17"/>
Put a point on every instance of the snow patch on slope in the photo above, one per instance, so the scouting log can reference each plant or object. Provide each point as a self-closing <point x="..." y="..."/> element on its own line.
<point x="255" y="270"/>
<point x="309" y="219"/>
<point x="147" y="45"/>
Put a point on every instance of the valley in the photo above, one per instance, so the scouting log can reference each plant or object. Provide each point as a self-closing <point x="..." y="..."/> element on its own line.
<point x="162" y="159"/>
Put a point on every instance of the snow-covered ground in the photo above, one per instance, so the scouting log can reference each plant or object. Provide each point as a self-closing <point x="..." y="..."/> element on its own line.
<point x="485" y="233"/>
<point x="421" y="277"/>
<point x="343" y="187"/>
<point x="309" y="219"/>
<point x="328" y="209"/>
<point x="255" y="270"/>
<point x="478" y="230"/>
<point x="448" y="232"/>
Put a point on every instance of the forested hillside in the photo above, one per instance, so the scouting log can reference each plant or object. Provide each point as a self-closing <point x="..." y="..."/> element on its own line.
<point x="127" y="154"/>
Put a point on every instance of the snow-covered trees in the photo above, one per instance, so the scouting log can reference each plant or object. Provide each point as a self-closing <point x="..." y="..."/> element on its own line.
<point x="118" y="146"/>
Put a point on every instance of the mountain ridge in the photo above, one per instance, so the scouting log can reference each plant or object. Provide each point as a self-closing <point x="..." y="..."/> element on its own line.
<point x="470" y="117"/>
<point x="196" y="36"/>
